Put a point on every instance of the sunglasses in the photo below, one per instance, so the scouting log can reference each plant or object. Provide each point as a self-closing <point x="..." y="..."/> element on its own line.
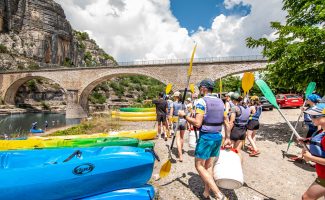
<point x="316" y="116"/>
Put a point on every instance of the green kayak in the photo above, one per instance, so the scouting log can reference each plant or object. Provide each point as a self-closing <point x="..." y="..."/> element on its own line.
<point x="129" y="109"/>
<point x="72" y="143"/>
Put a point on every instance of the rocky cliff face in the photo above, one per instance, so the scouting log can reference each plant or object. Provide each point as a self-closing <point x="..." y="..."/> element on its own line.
<point x="36" y="33"/>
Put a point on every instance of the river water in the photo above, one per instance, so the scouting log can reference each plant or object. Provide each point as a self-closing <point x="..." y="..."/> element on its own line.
<point x="20" y="124"/>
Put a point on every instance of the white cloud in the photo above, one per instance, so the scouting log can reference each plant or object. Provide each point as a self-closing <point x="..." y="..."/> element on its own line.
<point x="231" y="3"/>
<point x="146" y="29"/>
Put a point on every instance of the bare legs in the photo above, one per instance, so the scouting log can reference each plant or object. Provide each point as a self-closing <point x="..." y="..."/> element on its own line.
<point x="315" y="191"/>
<point x="251" y="138"/>
<point x="205" y="170"/>
<point x="180" y="143"/>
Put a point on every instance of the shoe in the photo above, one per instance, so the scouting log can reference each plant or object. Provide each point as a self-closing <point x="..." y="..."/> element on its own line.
<point x="163" y="135"/>
<point x="204" y="197"/>
<point x="254" y="153"/>
<point x="166" y="138"/>
<point x="250" y="148"/>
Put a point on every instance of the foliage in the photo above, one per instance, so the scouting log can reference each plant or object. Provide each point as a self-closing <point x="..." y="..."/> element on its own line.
<point x="33" y="66"/>
<point x="45" y="106"/>
<point x="97" y="98"/>
<point x="96" y="125"/>
<point x="67" y="62"/>
<point x="81" y="36"/>
<point x="297" y="56"/>
<point x="233" y="84"/>
<point x="32" y="85"/>
<point x="108" y="57"/>
<point x="3" y="49"/>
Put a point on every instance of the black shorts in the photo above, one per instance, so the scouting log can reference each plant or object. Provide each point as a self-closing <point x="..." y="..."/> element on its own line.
<point x="238" y="133"/>
<point x="253" y="125"/>
<point x="161" y="118"/>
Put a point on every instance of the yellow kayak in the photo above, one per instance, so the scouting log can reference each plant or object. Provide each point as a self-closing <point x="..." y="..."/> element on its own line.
<point x="133" y="114"/>
<point x="135" y="119"/>
<point x="138" y="134"/>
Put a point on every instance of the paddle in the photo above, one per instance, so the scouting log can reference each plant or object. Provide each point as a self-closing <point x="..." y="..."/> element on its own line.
<point x="220" y="85"/>
<point x="192" y="89"/>
<point x="271" y="98"/>
<point x="165" y="169"/>
<point x="310" y="88"/>
<point x="247" y="82"/>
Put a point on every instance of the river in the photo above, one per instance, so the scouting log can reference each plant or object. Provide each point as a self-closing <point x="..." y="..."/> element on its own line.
<point x="20" y="124"/>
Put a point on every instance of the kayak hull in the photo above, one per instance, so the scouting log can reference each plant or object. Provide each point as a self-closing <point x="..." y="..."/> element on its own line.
<point x="135" y="119"/>
<point x="97" y="171"/>
<point x="146" y="192"/>
<point x="133" y="114"/>
<point x="36" y="131"/>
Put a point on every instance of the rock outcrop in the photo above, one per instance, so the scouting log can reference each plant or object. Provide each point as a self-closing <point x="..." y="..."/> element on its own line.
<point x="36" y="33"/>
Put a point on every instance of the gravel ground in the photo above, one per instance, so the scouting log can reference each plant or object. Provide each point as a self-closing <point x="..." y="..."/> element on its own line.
<point x="269" y="176"/>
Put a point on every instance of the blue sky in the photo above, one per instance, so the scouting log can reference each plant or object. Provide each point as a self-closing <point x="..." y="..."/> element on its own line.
<point x="193" y="14"/>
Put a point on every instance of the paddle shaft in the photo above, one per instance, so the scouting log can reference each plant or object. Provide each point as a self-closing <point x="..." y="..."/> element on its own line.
<point x="293" y="129"/>
<point x="291" y="138"/>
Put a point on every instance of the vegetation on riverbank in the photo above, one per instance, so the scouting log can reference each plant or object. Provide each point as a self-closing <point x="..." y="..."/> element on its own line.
<point x="97" y="124"/>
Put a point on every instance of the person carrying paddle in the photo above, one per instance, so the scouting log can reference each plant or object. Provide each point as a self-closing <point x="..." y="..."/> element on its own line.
<point x="209" y="118"/>
<point x="161" y="111"/>
<point x="317" y="153"/>
<point x="253" y="124"/>
<point x="176" y="106"/>
<point x="311" y="101"/>
<point x="238" y="121"/>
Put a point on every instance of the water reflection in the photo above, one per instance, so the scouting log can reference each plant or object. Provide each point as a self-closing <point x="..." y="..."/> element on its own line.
<point x="21" y="123"/>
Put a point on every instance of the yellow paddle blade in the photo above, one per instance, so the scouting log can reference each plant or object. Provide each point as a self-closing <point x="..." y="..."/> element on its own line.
<point x="247" y="81"/>
<point x="165" y="169"/>
<point x="168" y="88"/>
<point x="192" y="88"/>
<point x="189" y="72"/>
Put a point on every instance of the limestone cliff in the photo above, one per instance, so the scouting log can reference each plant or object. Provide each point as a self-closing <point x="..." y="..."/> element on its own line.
<point x="36" y="33"/>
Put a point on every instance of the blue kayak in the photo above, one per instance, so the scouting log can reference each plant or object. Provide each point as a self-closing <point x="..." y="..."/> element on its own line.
<point x="71" y="173"/>
<point x="36" y="131"/>
<point x="146" y="192"/>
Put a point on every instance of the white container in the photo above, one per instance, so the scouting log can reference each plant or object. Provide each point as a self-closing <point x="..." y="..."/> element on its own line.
<point x="192" y="139"/>
<point x="227" y="171"/>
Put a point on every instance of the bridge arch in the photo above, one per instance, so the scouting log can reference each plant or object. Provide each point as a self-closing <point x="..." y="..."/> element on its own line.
<point x="83" y="99"/>
<point x="11" y="91"/>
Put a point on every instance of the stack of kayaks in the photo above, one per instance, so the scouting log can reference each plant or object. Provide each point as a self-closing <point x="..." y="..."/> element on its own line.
<point x="75" y="173"/>
<point x="138" y="134"/>
<point x="45" y="143"/>
<point x="135" y="114"/>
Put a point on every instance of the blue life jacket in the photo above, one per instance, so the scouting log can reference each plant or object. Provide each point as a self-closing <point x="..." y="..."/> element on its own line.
<point x="316" y="148"/>
<point x="214" y="115"/>
<point x="243" y="118"/>
<point x="257" y="114"/>
<point x="168" y="106"/>
<point x="307" y="119"/>
<point x="177" y="106"/>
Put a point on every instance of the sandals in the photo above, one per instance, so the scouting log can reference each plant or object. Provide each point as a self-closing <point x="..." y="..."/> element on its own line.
<point x="204" y="197"/>
<point x="254" y="153"/>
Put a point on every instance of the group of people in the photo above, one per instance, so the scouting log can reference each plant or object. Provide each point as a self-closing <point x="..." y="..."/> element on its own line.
<point x="228" y="122"/>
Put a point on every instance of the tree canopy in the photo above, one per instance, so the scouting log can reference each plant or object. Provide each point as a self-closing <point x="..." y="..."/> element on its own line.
<point x="297" y="56"/>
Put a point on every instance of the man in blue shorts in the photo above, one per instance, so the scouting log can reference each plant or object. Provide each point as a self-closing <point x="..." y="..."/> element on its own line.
<point x="210" y="116"/>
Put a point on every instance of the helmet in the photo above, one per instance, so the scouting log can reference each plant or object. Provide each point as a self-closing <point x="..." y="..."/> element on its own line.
<point x="314" y="98"/>
<point x="235" y="96"/>
<point x="229" y="94"/>
<point x="177" y="94"/>
<point x="207" y="83"/>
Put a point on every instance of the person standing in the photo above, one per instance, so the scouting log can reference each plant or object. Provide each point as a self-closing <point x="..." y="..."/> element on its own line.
<point x="311" y="101"/>
<point x="177" y="106"/>
<point x="253" y="124"/>
<point x="209" y="118"/>
<point x="317" y="153"/>
<point x="238" y="120"/>
<point x="161" y="111"/>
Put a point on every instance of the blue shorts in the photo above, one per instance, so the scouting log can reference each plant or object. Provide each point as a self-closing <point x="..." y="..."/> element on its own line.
<point x="206" y="149"/>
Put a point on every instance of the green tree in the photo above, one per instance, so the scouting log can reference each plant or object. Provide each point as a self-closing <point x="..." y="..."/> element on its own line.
<point x="297" y="56"/>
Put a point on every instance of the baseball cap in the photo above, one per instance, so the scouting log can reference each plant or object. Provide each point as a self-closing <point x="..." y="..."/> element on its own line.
<point x="207" y="83"/>
<point x="314" y="98"/>
<point x="254" y="98"/>
<point x="317" y="110"/>
<point x="177" y="94"/>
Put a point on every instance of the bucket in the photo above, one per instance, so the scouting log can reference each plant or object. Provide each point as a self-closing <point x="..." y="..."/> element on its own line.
<point x="227" y="171"/>
<point x="192" y="139"/>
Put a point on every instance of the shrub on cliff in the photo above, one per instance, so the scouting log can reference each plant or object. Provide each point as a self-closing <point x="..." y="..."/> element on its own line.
<point x="3" y="49"/>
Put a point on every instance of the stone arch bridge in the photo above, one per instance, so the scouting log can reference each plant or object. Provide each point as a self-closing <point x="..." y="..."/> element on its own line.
<point x="79" y="82"/>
